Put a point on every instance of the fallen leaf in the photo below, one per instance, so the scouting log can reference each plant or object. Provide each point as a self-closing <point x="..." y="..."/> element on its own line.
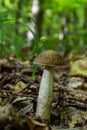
<point x="36" y="125"/>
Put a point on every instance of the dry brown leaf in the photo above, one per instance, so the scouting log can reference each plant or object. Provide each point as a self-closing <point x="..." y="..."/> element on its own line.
<point x="36" y="125"/>
<point x="79" y="67"/>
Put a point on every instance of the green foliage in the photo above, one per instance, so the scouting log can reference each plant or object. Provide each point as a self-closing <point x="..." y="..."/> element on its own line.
<point x="61" y="17"/>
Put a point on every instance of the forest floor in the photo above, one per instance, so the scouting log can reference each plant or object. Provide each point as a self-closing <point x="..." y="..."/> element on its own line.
<point x="19" y="88"/>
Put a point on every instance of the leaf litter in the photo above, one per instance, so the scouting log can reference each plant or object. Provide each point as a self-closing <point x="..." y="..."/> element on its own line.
<point x="19" y="92"/>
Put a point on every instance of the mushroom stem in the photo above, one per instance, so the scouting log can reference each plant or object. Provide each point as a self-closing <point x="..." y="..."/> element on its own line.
<point x="44" y="101"/>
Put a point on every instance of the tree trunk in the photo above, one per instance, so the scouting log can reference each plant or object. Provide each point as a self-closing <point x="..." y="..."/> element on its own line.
<point x="17" y="16"/>
<point x="36" y="23"/>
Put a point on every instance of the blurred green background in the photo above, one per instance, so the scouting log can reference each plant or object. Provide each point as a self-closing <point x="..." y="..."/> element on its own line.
<point x="29" y="26"/>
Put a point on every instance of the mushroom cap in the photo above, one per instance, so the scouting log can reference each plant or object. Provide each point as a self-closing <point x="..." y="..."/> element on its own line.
<point x="49" y="58"/>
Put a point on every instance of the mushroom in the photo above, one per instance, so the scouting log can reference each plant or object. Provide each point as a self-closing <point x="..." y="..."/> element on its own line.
<point x="48" y="59"/>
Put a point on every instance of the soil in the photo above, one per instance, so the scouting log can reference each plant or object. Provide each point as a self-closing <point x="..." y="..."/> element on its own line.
<point x="19" y="87"/>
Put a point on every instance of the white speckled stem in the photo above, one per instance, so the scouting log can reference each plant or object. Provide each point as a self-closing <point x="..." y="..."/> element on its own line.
<point x="44" y="101"/>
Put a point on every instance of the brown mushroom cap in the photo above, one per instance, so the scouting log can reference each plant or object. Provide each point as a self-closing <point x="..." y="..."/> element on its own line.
<point x="49" y="58"/>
